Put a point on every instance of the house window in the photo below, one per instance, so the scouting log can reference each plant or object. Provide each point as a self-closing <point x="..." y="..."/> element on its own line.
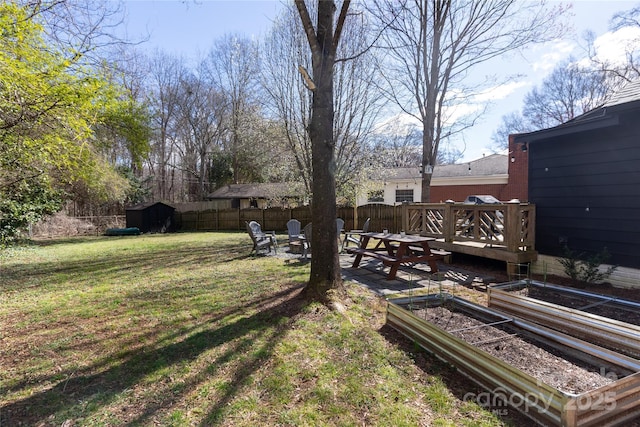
<point x="376" y="196"/>
<point x="404" y="196"/>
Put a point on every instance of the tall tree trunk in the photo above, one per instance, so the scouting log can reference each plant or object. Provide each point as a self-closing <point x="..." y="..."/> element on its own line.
<point x="325" y="282"/>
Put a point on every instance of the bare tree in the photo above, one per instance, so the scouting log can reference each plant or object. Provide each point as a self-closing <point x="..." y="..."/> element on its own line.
<point x="356" y="100"/>
<point x="232" y="65"/>
<point x="165" y="75"/>
<point x="434" y="46"/>
<point x="124" y="137"/>
<point x="325" y="281"/>
<point x="84" y="31"/>
<point x="397" y="144"/>
<point x="286" y="96"/>
<point x="511" y="123"/>
<point x="569" y="91"/>
<point x="200" y="132"/>
<point x="620" y="70"/>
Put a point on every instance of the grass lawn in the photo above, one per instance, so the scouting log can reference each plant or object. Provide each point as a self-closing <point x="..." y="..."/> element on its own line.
<point x="188" y="329"/>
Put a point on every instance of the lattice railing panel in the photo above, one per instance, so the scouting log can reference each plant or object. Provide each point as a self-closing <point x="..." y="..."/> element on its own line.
<point x="504" y="225"/>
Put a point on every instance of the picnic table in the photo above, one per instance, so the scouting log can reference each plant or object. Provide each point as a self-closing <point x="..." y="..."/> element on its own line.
<point x="396" y="249"/>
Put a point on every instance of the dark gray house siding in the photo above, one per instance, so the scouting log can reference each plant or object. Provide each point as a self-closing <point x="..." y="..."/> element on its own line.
<point x="584" y="178"/>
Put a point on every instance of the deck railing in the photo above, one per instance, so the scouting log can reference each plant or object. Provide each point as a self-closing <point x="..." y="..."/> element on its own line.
<point x="508" y="225"/>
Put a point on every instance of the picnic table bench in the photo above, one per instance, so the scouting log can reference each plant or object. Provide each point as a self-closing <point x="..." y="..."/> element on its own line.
<point x="396" y="249"/>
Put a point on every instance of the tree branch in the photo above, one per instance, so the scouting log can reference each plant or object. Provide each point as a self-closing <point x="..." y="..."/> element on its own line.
<point x="307" y="25"/>
<point x="340" y="24"/>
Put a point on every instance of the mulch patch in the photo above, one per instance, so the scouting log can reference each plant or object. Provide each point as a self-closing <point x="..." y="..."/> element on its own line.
<point x="497" y="270"/>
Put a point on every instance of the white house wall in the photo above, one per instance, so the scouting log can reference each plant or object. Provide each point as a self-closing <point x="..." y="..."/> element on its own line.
<point x="391" y="186"/>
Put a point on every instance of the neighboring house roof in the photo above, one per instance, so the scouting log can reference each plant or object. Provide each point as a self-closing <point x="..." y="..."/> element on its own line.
<point x="494" y="164"/>
<point x="252" y="191"/>
<point x="628" y="97"/>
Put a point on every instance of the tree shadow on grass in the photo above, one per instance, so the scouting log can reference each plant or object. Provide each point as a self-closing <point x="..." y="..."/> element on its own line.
<point x="89" y="388"/>
<point x="101" y="268"/>
<point x="459" y="385"/>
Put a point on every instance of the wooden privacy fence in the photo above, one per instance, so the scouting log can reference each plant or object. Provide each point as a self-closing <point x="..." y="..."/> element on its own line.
<point x="382" y="216"/>
<point x="502" y="231"/>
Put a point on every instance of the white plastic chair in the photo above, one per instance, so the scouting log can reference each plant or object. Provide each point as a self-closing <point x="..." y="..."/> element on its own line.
<point x="293" y="228"/>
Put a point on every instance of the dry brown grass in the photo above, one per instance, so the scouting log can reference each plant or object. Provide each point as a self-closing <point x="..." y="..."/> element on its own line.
<point x="62" y="225"/>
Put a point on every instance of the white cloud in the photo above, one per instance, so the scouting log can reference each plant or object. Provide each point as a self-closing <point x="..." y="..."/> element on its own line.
<point x="612" y="46"/>
<point x="479" y="101"/>
<point x="502" y="91"/>
<point x="402" y="124"/>
<point x="556" y="52"/>
<point x="398" y="124"/>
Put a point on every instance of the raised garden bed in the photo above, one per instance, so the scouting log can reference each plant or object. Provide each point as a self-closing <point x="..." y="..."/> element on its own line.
<point x="610" y="322"/>
<point x="547" y="375"/>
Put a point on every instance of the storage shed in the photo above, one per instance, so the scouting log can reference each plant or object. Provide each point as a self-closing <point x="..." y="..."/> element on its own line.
<point x="152" y="217"/>
<point x="584" y="179"/>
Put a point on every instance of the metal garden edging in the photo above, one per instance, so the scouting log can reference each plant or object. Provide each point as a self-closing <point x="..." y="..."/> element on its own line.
<point x="612" y="404"/>
<point x="609" y="333"/>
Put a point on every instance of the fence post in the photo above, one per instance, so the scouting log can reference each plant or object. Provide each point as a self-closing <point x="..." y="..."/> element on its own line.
<point x="405" y="217"/>
<point x="531" y="228"/>
<point x="355" y="216"/>
<point x="448" y="228"/>
<point x="513" y="226"/>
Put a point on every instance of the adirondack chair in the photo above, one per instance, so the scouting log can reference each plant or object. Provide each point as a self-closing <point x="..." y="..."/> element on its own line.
<point x="293" y="228"/>
<point x="260" y="239"/>
<point x="306" y="243"/>
<point x="307" y="236"/>
<point x="354" y="236"/>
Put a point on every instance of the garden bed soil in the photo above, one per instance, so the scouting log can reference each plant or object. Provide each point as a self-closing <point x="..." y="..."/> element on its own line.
<point x="609" y="309"/>
<point x="547" y="365"/>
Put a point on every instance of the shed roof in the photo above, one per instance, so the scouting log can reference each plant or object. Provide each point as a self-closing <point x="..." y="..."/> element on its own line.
<point x="143" y="206"/>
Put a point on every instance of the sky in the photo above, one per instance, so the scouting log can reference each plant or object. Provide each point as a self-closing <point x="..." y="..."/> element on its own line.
<point x="188" y="28"/>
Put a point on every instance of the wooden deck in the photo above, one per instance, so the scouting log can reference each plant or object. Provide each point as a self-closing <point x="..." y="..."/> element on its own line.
<point x="486" y="251"/>
<point x="504" y="232"/>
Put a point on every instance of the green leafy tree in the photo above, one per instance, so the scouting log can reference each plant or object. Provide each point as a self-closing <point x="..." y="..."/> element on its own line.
<point x="48" y="113"/>
<point x="124" y="133"/>
<point x="138" y="190"/>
